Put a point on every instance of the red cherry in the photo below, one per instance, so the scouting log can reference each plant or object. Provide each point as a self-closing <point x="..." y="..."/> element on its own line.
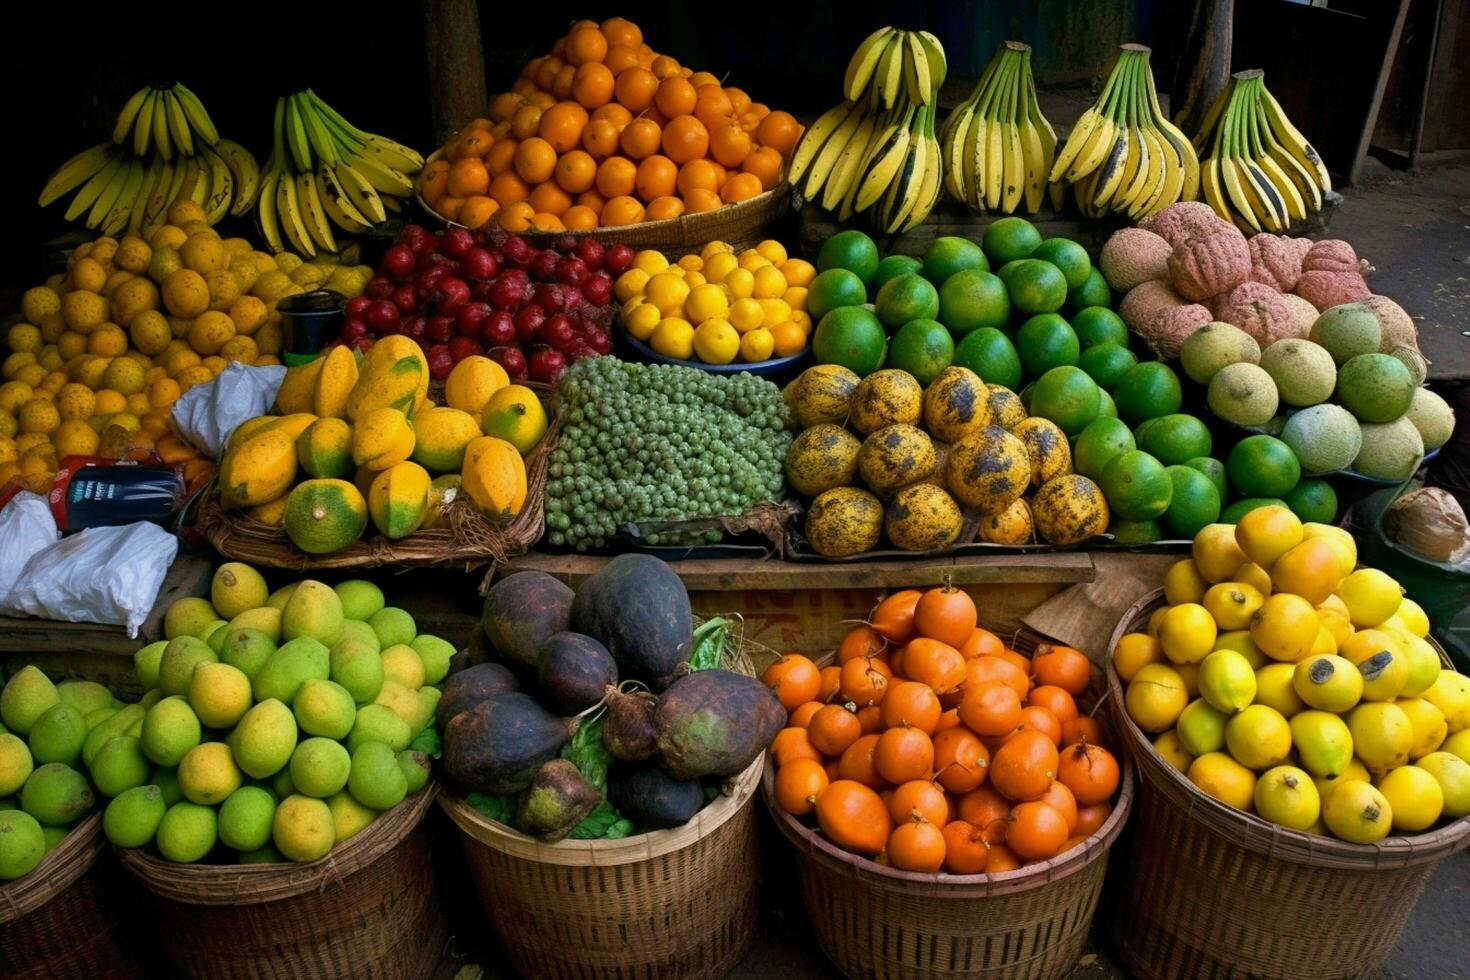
<point x="512" y="359"/>
<point x="470" y="317"/>
<point x="378" y="287"/>
<point x="398" y="262"/>
<point x="547" y="295"/>
<point x="382" y="316"/>
<point x="441" y="362"/>
<point x="558" y="332"/>
<point x="571" y="271"/>
<point x="543" y="266"/>
<point x="528" y="321"/>
<point x="498" y="329"/>
<point x="479" y="263"/>
<point x="452" y="293"/>
<point x="618" y="258"/>
<point x="456" y="242"/>
<point x="357" y="305"/>
<point x="462" y="347"/>
<point x="405" y="297"/>
<point x="590" y="250"/>
<point x="547" y="365"/>
<point x="597" y="289"/>
<point x="508" y="292"/>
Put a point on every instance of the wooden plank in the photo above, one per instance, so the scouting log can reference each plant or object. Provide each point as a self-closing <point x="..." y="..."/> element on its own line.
<point x="1204" y="64"/>
<point x="456" y="61"/>
<point x="1385" y="67"/>
<point x="715" y="574"/>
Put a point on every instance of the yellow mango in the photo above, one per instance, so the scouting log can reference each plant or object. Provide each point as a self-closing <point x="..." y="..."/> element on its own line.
<point x="514" y="414"/>
<point x="494" y="476"/>
<point x="261" y="469"/>
<point x="441" y="435"/>
<point x="296" y="423"/>
<point x="295" y="393"/>
<point x="394" y="374"/>
<point x="245" y="429"/>
<point x="334" y="383"/>
<point x="382" y="438"/>
<point x="398" y="500"/>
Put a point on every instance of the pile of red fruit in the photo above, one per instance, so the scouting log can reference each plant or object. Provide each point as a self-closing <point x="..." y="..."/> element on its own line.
<point x="464" y="292"/>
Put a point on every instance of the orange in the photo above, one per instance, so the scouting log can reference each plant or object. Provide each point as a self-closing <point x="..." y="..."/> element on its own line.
<point x="739" y="101"/>
<point x="546" y="73"/>
<point x="662" y="208"/>
<point x="600" y="138"/>
<point x="635" y="89"/>
<point x="698" y="174"/>
<point x="475" y="143"/>
<point x="853" y="817"/>
<point x="548" y="198"/>
<point x="729" y="144"/>
<point x="640" y="138"/>
<point x="702" y="78"/>
<point x="622" y="210"/>
<point x="535" y="160"/>
<point x="787" y="338"/>
<point x="615" y="177"/>
<point x="620" y="58"/>
<point x="656" y="177"/>
<point x="619" y="30"/>
<point x="713" y="106"/>
<point x="562" y="87"/>
<point x="526" y="121"/>
<point x="508" y="188"/>
<point x="562" y="124"/>
<point x="501" y="157"/>
<point x="779" y="131"/>
<point x="541" y="100"/>
<point x="699" y="200"/>
<point x="740" y="187"/>
<point x="653" y="115"/>
<point x="592" y="85"/>
<point x="433" y="180"/>
<point x="664" y="66"/>
<point x="591" y="200"/>
<point x="449" y="206"/>
<point x="542" y="221"/>
<point x="579" y="217"/>
<point x="764" y="163"/>
<point x="477" y="210"/>
<point x="576" y="171"/>
<point x="517" y="216"/>
<point x="468" y="176"/>
<point x="615" y="113"/>
<point x="522" y="87"/>
<point x="584" y="45"/>
<point x="675" y="97"/>
<point x="504" y="105"/>
<point x="685" y="139"/>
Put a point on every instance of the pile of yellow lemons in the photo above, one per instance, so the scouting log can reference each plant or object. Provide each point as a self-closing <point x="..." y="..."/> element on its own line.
<point x="718" y="306"/>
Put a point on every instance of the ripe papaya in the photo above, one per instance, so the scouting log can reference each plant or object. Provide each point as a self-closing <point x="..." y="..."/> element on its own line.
<point x="381" y="438"/>
<point x="298" y="388"/>
<point x="334" y="383"/>
<point x="494" y="475"/>
<point x="398" y="500"/>
<point x="260" y="469"/>
<point x="394" y="374"/>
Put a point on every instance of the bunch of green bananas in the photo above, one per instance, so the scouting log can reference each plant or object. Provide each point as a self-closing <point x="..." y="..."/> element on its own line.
<point x="164" y="147"/>
<point x="1124" y="156"/>
<point x="876" y="151"/>
<point x="324" y="171"/>
<point x="1261" y="173"/>
<point x="996" y="146"/>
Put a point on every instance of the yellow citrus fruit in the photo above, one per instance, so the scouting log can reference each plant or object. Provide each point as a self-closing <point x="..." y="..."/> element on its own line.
<point x="740" y="281"/>
<point x="1341" y="540"/>
<point x="89" y="274"/>
<point x="716" y="342"/>
<point x="774" y="311"/>
<point x="1287" y="797"/>
<point x="1187" y="633"/>
<point x="125" y="375"/>
<point x="747" y="314"/>
<point x="1172" y="751"/>
<point x="1183" y="583"/>
<point x="1240" y="641"/>
<point x="1328" y="683"/>
<point x="75" y="401"/>
<point x="719" y="265"/>
<point x="668" y="292"/>
<point x="768" y="283"/>
<point x="798" y="272"/>
<point x="1310" y="569"/>
<point x="211" y="331"/>
<point x="1155" y="697"/>
<point x="1232" y="604"/>
<point x="1216" y="553"/>
<point x="650" y="262"/>
<point x="673" y="337"/>
<point x="1285" y="627"/>
<point x="1371" y="596"/>
<point x="705" y="302"/>
<point x="204" y="253"/>
<point x="132" y="298"/>
<point x="772" y="251"/>
<point x="39" y="302"/>
<point x="1274" y="689"/>
<point x="224" y="288"/>
<point x="40" y="416"/>
<point x="787" y="338"/>
<point x="1220" y="776"/>
<point x="185" y="293"/>
<point x="630" y="284"/>
<point x="1267" y="533"/>
<point x="75" y="438"/>
<point x="641" y="319"/>
<point x="1428" y="724"/>
<point x="751" y="259"/>
<point x="756" y="345"/>
<point x="1414" y="798"/>
<point x="1258" y="737"/>
<point x="83" y="310"/>
<point x="690" y="263"/>
<point x="183" y="211"/>
<point x="24" y="337"/>
<point x="1381" y="660"/>
<point x="108" y="340"/>
<point x="1414" y="618"/>
<point x="1134" y="652"/>
<point x="110" y="402"/>
<point x="249" y="314"/>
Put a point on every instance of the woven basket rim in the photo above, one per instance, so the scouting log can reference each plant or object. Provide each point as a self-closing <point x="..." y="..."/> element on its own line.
<point x="257" y="884"/>
<point x="56" y="872"/>
<point x="1248" y="830"/>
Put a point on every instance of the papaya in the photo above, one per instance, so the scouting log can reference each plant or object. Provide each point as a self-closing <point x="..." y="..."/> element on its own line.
<point x="393" y="374"/>
<point x="298" y="388"/>
<point x="494" y="475"/>
<point x="1014" y="525"/>
<point x="443" y="490"/>
<point x="923" y="517"/>
<point x="558" y="799"/>
<point x="472" y="382"/>
<point x="895" y="456"/>
<point x="628" y="732"/>
<point x="988" y="470"/>
<point x="323" y="516"/>
<point x="272" y="512"/>
<point x="714" y="723"/>
<point x="498" y="745"/>
<point x="956" y="404"/>
<point x="883" y="398"/>
<point x="1047" y="447"/>
<point x="324" y="448"/>
<point x="1006" y="409"/>
<point x="261" y="468"/>
<point x="821" y="394"/>
<point x="639" y="609"/>
<point x="398" y="498"/>
<point x="334" y="383"/>
<point x="295" y="423"/>
<point x="844" y="521"/>
<point x="1069" y="509"/>
<point x="575" y="669"/>
<point x="521" y="612"/>
<point x="651" y="797"/>
<point x="440" y="438"/>
<point x="381" y="438"/>
<point x="466" y="688"/>
<point x="248" y="428"/>
<point x="515" y="414"/>
<point x="820" y="458"/>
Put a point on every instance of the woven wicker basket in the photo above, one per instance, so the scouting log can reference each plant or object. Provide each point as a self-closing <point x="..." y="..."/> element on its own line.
<point x="877" y="921"/>
<point x="369" y="909"/>
<point x="57" y="922"/>
<point x="1213" y="891"/>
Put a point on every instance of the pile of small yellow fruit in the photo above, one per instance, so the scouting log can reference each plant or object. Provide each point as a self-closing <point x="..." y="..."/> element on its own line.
<point x="106" y="348"/>
<point x="719" y="305"/>
<point x="1285" y="680"/>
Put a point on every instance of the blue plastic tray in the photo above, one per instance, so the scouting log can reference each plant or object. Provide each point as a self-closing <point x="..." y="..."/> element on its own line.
<point x="772" y="366"/>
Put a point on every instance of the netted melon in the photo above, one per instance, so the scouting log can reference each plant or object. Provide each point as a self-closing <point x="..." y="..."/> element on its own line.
<point x="884" y="398"/>
<point x="988" y="470"/>
<point x="923" y="518"/>
<point x="1014" y="525"/>
<point x="1006" y="409"/>
<point x="1046" y="444"/>
<point x="844" y="521"/>
<point x="820" y="458"/>
<point x="895" y="456"/>
<point x="821" y="394"/>
<point x="956" y="403"/>
<point x="1069" y="510"/>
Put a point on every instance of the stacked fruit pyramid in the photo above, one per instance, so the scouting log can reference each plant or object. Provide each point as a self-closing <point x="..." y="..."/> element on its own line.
<point x="1285" y="680"/>
<point x="278" y="733"/>
<point x="605" y="131"/>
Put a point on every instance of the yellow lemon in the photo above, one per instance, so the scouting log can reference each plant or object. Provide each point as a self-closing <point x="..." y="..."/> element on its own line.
<point x="1341" y="541"/>
<point x="1155" y="697"/>
<point x="1134" y="652"/>
<point x="1382" y="735"/>
<point x="1216" y="553"/>
<point x="133" y="254"/>
<point x="795" y="297"/>
<point x="208" y="773"/>
<point x="1310" y="570"/>
<point x="249" y="314"/>
<point x="1353" y="770"/>
<point x="1258" y="737"/>
<point x="650" y="262"/>
<point x="673" y="337"/>
<point x="752" y="260"/>
<point x="1274" y="689"/>
<point x="718" y="266"/>
<point x="1287" y="797"/>
<point x="629" y="284"/>
<point x="1450" y="693"/>
<point x="1189" y="674"/>
<point x="716" y="341"/>
<point x="1428" y="724"/>
<point x="668" y="292"/>
<point x="1380" y="660"/>
<point x="1414" y="797"/>
<point x="83" y="310"/>
<point x="1413" y="616"/>
<point x="211" y="331"/>
<point x="24" y="337"/>
<point x="1201" y="728"/>
<point x="1357" y="812"/>
<point x="125" y="375"/>
<point x="1328" y="682"/>
<point x="1333" y="615"/>
<point x="716" y="247"/>
<point x="1183" y="583"/>
<point x="1453" y="775"/>
<point x="772" y="251"/>
<point x="740" y="282"/>
<point x="1187" y="633"/>
<point x="89" y="274"/>
<point x="747" y="314"/>
<point x="798" y="272"/>
<point x="768" y="283"/>
<point x="1240" y="641"/>
<point x="185" y="293"/>
<point x="1285" y="627"/>
<point x="774" y="311"/>
<point x="691" y="262"/>
<point x="1457" y="744"/>
<point x="14" y="394"/>
<point x="75" y="438"/>
<point x="1172" y="751"/>
<point x="641" y="319"/>
<point x="1371" y="596"/>
<point x="204" y="253"/>
<point x="756" y="345"/>
<point x="38" y="416"/>
<point x="1219" y="776"/>
<point x="1227" y="681"/>
<point x="39" y="302"/>
<point x="706" y="302"/>
<point x="1267" y="533"/>
<point x="150" y="332"/>
<point x="1424" y="665"/>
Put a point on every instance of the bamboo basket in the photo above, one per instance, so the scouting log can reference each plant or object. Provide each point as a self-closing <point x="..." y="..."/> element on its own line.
<point x="679" y="903"/>
<point x="369" y="909"/>
<point x="1213" y="891"/>
<point x="877" y="921"/>
<point x="57" y="922"/>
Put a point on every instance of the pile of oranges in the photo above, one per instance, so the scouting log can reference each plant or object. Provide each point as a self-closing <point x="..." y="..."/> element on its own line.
<point x="605" y="131"/>
<point x="929" y="745"/>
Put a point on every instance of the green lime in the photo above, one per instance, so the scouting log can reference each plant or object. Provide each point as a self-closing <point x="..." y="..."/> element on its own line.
<point x="1135" y="532"/>
<point x="1175" y="439"/>
<point x="1263" y="466"/>
<point x="850" y="250"/>
<point x="1037" y="287"/>
<point x="950" y="254"/>
<point x="1068" y="256"/>
<point x="893" y="266"/>
<point x="1005" y="271"/>
<point x="1010" y="238"/>
<point x="1242" y="507"/>
<point x="907" y="297"/>
<point x="1067" y="396"/>
<point x="1046" y="341"/>
<point x="1099" y="325"/>
<point x="1106" y="406"/>
<point x="971" y="299"/>
<point x="850" y="336"/>
<point x="1137" y="486"/>
<point x="1214" y="469"/>
<point x="1313" y="501"/>
<point x="990" y="354"/>
<point x="1103" y="439"/>
<point x="1140" y="431"/>
<point x="1106" y="363"/>
<point x="832" y="289"/>
<point x="1147" y="391"/>
<point x="1193" y="503"/>
<point x="1093" y="292"/>
<point x="923" y="348"/>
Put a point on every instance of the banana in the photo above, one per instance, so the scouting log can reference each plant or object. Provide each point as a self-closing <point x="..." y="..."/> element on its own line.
<point x="296" y="135"/>
<point x="221" y="186"/>
<point x="1080" y="134"/>
<point x="821" y="167"/>
<point x="889" y="75"/>
<point x="938" y="64"/>
<point x="864" y="61"/>
<point x="176" y="185"/>
<point x="1291" y="138"/>
<point x="158" y="195"/>
<point x="109" y="195"/>
<point x="145" y="193"/>
<point x="161" y="138"/>
<point x="93" y="188"/>
<point x="178" y="124"/>
<point x="951" y="145"/>
<point x="116" y="218"/>
<point x="265" y="210"/>
<point x="246" y="172"/>
<point x="198" y="118"/>
<point x="288" y="210"/>
<point x="845" y="168"/>
<point x="916" y="71"/>
<point x="312" y="214"/>
<point x="383" y="178"/>
<point x="131" y="110"/>
<point x="885" y="163"/>
<point x="360" y="192"/>
<point x="143" y="130"/>
<point x="814" y="138"/>
<point x="336" y="203"/>
<point x="317" y="136"/>
<point x="75" y="172"/>
<point x="391" y="155"/>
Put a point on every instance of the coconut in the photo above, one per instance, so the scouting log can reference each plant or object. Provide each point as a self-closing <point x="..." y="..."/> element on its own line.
<point x="1330" y="255"/>
<point x="1433" y="417"/>
<point x="1132" y="256"/>
<point x="1243" y="393"/>
<point x="1303" y="371"/>
<point x="1214" y="346"/>
<point x="1258" y="310"/>
<point x="1325" y="438"/>
<point x="1396" y="324"/>
<point x="1391" y="451"/>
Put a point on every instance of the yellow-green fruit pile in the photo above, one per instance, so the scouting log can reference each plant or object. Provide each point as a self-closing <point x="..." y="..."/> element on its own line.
<point x="1285" y="680"/>
<point x="275" y="726"/>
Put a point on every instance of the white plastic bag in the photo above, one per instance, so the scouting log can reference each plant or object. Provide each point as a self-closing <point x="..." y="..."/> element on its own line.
<point x="208" y="413"/>
<point x="105" y="575"/>
<point x="26" y="527"/>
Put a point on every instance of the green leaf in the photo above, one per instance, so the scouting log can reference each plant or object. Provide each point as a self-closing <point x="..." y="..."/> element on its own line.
<point x="427" y="742"/>
<point x="587" y="753"/>
<point x="501" y="809"/>
<point x="707" y="650"/>
<point x="597" y="824"/>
